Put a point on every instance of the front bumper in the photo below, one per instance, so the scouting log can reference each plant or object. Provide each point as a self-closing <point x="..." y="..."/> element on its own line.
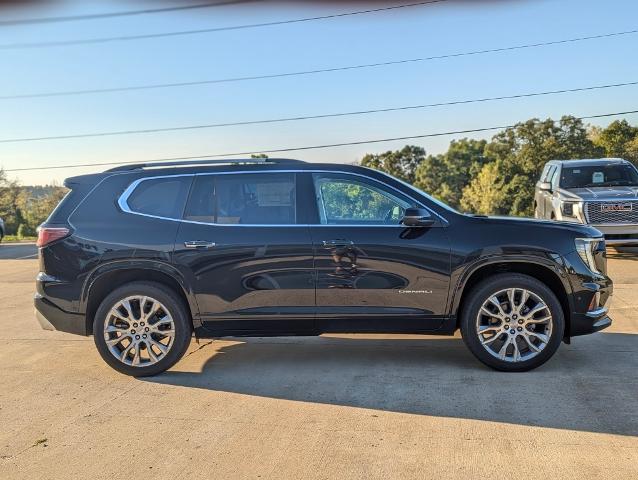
<point x="590" y="298"/>
<point x="590" y="322"/>
<point x="619" y="234"/>
<point x="51" y="317"/>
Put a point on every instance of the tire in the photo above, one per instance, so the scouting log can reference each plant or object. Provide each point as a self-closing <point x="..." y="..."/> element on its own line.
<point x="165" y="325"/>
<point x="532" y="339"/>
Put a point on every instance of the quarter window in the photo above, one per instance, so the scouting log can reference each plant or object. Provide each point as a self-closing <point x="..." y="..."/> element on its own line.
<point x="344" y="200"/>
<point x="160" y="197"/>
<point x="243" y="199"/>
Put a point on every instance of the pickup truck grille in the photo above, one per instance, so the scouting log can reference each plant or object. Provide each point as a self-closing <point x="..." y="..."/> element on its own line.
<point x="601" y="212"/>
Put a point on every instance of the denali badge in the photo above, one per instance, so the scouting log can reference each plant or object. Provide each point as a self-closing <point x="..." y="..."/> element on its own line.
<point x="616" y="207"/>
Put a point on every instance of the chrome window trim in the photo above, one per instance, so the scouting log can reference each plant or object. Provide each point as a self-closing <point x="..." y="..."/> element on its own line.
<point x="122" y="202"/>
<point x="123" y="199"/>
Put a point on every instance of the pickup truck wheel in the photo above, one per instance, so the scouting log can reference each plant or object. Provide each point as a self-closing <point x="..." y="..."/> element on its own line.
<point x="512" y="322"/>
<point x="142" y="329"/>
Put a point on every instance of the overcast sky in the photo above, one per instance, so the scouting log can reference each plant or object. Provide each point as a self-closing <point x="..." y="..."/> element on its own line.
<point x="438" y="29"/>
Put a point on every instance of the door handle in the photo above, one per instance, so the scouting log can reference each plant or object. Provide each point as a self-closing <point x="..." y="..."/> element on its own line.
<point x="199" y="244"/>
<point x="338" y="243"/>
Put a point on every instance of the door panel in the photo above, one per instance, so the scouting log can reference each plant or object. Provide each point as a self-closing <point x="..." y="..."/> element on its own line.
<point x="384" y="272"/>
<point x="372" y="273"/>
<point x="248" y="277"/>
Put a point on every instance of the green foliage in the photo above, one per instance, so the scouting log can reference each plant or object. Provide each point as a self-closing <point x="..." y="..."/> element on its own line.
<point x="402" y="163"/>
<point x="619" y="139"/>
<point x="23" y="209"/>
<point x="444" y="176"/>
<point x="14" y="238"/>
<point x="520" y="152"/>
<point x="484" y="191"/>
<point x="499" y="176"/>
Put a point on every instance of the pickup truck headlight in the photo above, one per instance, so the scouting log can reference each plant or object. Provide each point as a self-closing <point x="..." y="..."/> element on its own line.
<point x="568" y="209"/>
<point x="586" y="248"/>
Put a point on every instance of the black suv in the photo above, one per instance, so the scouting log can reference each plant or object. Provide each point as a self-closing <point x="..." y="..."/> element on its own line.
<point x="143" y="256"/>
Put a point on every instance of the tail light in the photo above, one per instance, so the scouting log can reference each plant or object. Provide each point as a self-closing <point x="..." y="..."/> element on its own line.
<point x="46" y="235"/>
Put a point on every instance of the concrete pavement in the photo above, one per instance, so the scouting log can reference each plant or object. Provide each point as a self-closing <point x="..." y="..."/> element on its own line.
<point x="347" y="407"/>
<point x="18" y="251"/>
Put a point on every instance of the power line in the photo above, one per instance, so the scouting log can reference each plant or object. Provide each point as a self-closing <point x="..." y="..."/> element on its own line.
<point x="311" y="117"/>
<point x="309" y="72"/>
<point x="302" y="148"/>
<point x="123" y="38"/>
<point x="126" y="13"/>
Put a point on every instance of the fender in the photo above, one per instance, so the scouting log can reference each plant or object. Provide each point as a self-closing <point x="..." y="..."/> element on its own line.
<point x="552" y="261"/>
<point x="140" y="264"/>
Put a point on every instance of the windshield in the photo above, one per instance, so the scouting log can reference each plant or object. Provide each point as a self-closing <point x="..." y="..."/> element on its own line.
<point x="613" y="175"/>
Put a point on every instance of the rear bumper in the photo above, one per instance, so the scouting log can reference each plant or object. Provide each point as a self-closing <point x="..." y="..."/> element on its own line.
<point x="51" y="317"/>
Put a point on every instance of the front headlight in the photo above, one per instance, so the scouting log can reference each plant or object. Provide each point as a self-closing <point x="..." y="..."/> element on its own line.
<point x="568" y="209"/>
<point x="586" y="248"/>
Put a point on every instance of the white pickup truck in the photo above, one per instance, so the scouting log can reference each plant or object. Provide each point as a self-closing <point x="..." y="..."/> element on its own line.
<point x="601" y="192"/>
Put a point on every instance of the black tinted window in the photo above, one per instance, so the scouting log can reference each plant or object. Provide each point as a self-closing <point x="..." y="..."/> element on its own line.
<point x="162" y="197"/>
<point x="253" y="199"/>
<point x="610" y="175"/>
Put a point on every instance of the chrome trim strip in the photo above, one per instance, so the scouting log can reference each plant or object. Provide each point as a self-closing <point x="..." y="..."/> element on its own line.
<point x="123" y="200"/>
<point x="598" y="312"/>
<point x="618" y="225"/>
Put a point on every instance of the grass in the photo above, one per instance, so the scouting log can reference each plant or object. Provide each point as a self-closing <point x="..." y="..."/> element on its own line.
<point x="15" y="238"/>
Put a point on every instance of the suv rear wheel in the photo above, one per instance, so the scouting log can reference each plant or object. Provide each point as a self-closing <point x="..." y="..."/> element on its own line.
<point x="512" y="322"/>
<point x="142" y="329"/>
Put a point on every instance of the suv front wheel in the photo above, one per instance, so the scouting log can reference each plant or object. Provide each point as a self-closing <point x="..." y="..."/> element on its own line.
<point x="142" y="329"/>
<point x="512" y="322"/>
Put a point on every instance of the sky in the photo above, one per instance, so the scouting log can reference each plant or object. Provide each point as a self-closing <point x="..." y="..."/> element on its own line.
<point x="437" y="29"/>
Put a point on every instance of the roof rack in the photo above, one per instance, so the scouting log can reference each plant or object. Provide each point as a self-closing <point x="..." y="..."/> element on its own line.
<point x="186" y="163"/>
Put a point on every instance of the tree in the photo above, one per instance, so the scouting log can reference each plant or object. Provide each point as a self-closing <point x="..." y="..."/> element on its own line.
<point x="10" y="210"/>
<point x="25" y="208"/>
<point x="484" y="191"/>
<point x="444" y="176"/>
<point x="619" y="139"/>
<point x="35" y="208"/>
<point x="519" y="154"/>
<point x="400" y="163"/>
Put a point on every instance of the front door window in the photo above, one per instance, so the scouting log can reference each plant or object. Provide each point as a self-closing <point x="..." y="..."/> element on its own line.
<point x="345" y="200"/>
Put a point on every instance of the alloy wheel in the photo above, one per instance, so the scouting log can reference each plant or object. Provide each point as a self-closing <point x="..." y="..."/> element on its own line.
<point x="514" y="324"/>
<point x="139" y="331"/>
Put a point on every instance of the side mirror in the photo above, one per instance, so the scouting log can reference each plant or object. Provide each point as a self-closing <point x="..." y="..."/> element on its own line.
<point x="545" y="186"/>
<point x="417" y="217"/>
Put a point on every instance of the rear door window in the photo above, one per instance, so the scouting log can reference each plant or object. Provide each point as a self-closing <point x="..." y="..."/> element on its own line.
<point x="161" y="197"/>
<point x="244" y="199"/>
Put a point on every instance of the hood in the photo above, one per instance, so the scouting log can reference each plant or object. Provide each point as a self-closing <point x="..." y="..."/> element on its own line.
<point x="600" y="193"/>
<point x="552" y="225"/>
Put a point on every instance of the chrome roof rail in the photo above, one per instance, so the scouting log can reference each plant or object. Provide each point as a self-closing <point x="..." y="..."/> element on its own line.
<point x="188" y="163"/>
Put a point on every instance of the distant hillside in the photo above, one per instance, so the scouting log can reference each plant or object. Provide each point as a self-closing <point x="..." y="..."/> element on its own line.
<point x="40" y="191"/>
